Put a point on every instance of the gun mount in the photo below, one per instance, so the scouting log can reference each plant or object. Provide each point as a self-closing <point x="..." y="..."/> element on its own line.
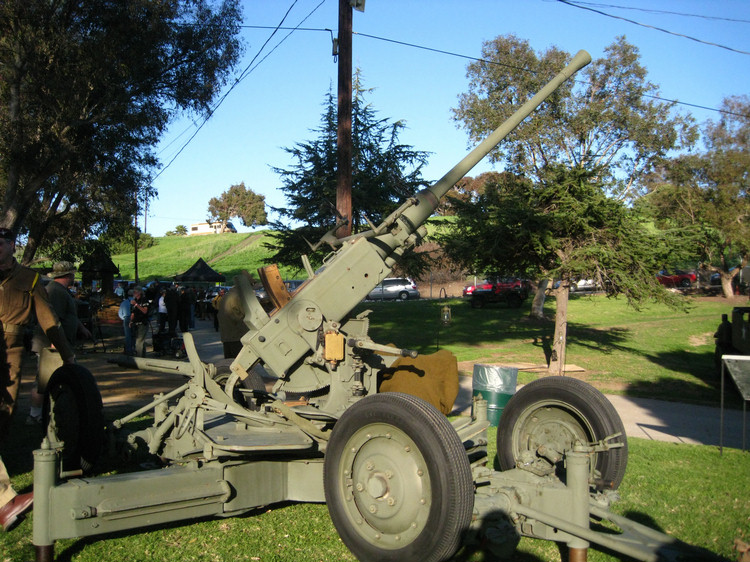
<point x="402" y="483"/>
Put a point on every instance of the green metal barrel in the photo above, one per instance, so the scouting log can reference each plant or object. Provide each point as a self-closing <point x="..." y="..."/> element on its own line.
<point x="496" y="384"/>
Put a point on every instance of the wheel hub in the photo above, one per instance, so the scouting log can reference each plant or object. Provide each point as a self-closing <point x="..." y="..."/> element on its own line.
<point x="551" y="427"/>
<point x="389" y="486"/>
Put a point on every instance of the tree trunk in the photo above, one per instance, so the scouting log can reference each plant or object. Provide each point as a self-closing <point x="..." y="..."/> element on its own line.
<point x="726" y="284"/>
<point x="557" y="360"/>
<point x="537" y="305"/>
<point x="29" y="250"/>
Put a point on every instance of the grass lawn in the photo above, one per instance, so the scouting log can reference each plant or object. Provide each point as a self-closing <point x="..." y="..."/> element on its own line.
<point x="655" y="353"/>
<point x="687" y="491"/>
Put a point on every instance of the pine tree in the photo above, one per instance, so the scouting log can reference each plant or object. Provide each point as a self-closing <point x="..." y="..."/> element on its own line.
<point x="384" y="174"/>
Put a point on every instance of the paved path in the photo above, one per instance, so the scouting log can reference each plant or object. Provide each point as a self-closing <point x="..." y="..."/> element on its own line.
<point x="659" y="420"/>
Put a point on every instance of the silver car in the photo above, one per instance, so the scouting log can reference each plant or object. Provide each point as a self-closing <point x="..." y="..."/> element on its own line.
<point x="395" y="288"/>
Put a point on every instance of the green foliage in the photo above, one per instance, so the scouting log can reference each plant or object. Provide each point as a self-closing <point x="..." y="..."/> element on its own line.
<point x="384" y="174"/>
<point x="126" y="244"/>
<point x="86" y="90"/>
<point x="608" y="118"/>
<point x="703" y="197"/>
<point x="565" y="227"/>
<point x="180" y="230"/>
<point x="238" y="201"/>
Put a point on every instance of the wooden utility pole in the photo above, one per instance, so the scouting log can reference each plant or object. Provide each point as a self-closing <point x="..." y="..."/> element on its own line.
<point x="135" y="246"/>
<point x="344" y="133"/>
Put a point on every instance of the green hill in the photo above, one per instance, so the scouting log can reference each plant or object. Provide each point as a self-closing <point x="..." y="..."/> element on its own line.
<point x="227" y="253"/>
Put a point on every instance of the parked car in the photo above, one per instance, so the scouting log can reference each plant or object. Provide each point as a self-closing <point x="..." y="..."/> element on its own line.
<point x="582" y="285"/>
<point x="509" y="290"/>
<point x="211" y="292"/>
<point x="496" y="283"/>
<point x="677" y="278"/>
<point x="394" y="288"/>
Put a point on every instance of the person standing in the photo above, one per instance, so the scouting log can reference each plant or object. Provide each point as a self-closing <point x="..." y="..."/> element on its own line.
<point x="22" y="296"/>
<point x="193" y="302"/>
<point x="124" y="315"/>
<point x="184" y="310"/>
<point x="64" y="305"/>
<point x="139" y="321"/>
<point x="172" y="300"/>
<point x="215" y="303"/>
<point x="66" y="308"/>
<point x="120" y="290"/>
<point x="162" y="311"/>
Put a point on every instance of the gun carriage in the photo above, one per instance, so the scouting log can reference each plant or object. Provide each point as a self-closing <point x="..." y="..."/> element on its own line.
<point x="401" y="481"/>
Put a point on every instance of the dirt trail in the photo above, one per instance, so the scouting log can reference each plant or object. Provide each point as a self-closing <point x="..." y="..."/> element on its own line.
<point x="236" y="248"/>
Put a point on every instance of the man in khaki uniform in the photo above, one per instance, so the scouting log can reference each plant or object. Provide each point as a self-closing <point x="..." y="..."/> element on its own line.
<point x="66" y="310"/>
<point x="21" y="296"/>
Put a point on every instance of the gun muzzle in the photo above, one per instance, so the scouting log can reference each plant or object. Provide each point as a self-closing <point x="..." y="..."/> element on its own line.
<point x="429" y="198"/>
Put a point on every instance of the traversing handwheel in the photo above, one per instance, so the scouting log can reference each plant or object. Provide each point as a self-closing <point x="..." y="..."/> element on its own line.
<point x="397" y="481"/>
<point x="548" y="416"/>
<point x="253" y="382"/>
<point x="73" y="414"/>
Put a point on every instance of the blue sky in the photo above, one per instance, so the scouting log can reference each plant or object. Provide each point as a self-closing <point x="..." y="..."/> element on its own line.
<point x="279" y="102"/>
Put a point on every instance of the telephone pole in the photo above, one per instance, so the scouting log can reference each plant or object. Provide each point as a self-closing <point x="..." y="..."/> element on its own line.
<point x="344" y="132"/>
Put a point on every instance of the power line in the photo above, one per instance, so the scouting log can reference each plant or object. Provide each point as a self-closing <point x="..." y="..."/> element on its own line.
<point x="475" y="59"/>
<point x="251" y="66"/>
<point x="580" y="6"/>
<point x="653" y="11"/>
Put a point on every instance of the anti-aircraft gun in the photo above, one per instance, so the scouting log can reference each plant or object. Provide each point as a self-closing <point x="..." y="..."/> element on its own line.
<point x="402" y="482"/>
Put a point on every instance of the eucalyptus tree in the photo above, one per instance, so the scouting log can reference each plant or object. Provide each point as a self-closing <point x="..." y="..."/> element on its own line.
<point x="581" y="157"/>
<point x="609" y="118"/>
<point x="704" y="197"/>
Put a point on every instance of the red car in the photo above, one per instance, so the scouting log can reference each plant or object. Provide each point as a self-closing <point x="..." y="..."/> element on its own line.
<point x="498" y="284"/>
<point x="677" y="278"/>
<point x="509" y="290"/>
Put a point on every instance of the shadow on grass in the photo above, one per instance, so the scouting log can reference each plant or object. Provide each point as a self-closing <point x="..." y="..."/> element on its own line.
<point x="698" y="367"/>
<point x="497" y="328"/>
<point x="418" y="323"/>
<point x="67" y="554"/>
<point x="18" y="448"/>
<point x="678" y="550"/>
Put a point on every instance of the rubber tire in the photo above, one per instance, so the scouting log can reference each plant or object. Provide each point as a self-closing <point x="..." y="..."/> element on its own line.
<point x="685" y="283"/>
<point x="581" y="411"/>
<point x="381" y="430"/>
<point x="403" y="296"/>
<point x="514" y="300"/>
<point x="73" y="401"/>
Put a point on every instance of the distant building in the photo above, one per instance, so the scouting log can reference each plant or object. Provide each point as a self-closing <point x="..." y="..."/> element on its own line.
<point x="210" y="228"/>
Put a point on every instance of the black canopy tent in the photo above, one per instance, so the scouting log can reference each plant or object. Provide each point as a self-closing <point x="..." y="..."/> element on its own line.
<point x="200" y="272"/>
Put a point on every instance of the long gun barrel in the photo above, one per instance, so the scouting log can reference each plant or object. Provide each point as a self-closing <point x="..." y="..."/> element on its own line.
<point x="427" y="200"/>
<point x="362" y="261"/>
